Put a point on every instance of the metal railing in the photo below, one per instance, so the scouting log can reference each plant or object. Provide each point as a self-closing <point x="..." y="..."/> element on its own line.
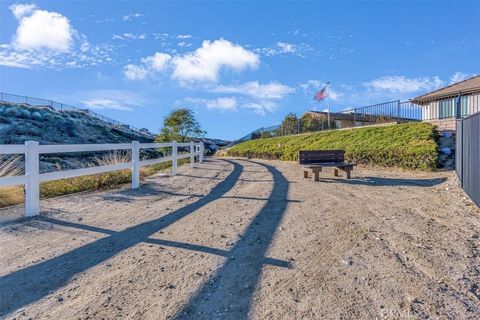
<point x="467" y="155"/>
<point x="391" y="111"/>
<point x="31" y="101"/>
<point x="33" y="177"/>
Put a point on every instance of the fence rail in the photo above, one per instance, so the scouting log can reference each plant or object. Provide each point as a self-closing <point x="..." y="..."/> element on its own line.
<point x="391" y="111"/>
<point x="33" y="177"/>
<point x="457" y="104"/>
<point x="14" y="98"/>
<point x="467" y="152"/>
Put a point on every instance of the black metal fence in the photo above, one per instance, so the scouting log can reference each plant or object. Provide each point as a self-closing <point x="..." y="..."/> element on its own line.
<point x="31" y="101"/>
<point x="467" y="154"/>
<point x="313" y="121"/>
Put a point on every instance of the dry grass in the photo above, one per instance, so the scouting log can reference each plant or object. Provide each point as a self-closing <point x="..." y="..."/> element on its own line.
<point x="109" y="180"/>
<point x="11" y="166"/>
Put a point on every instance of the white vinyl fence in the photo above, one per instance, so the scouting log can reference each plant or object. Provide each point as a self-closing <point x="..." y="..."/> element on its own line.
<point x="33" y="177"/>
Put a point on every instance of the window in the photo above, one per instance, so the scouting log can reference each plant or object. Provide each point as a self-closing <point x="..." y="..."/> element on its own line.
<point x="463" y="105"/>
<point x="445" y="109"/>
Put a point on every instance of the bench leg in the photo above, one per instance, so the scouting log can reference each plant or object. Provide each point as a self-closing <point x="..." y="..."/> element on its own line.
<point x="316" y="176"/>
<point x="348" y="173"/>
<point x="335" y="172"/>
<point x="305" y="174"/>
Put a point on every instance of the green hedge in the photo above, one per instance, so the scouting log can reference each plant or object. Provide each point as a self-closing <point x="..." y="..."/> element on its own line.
<point x="411" y="145"/>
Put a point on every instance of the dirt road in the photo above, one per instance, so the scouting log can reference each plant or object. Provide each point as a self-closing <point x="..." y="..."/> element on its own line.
<point x="248" y="239"/>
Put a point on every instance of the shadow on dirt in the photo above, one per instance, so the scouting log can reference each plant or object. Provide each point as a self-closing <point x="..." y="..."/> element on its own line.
<point x="229" y="293"/>
<point x="387" y="182"/>
<point x="32" y="283"/>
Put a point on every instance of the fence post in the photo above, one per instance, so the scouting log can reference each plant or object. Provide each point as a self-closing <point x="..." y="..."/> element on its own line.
<point x="192" y="154"/>
<point x="462" y="142"/>
<point x="174" y="157"/>
<point x="135" y="164"/>
<point x="398" y="110"/>
<point x="458" y="107"/>
<point x="354" y="117"/>
<point x="202" y="151"/>
<point x="32" y="187"/>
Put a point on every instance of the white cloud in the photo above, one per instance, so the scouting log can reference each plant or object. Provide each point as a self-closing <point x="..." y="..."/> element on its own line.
<point x="184" y="44"/>
<point x="19" y="10"/>
<point x="134" y="72"/>
<point x="47" y="39"/>
<point x="285" y="47"/>
<point x="129" y="36"/>
<point x="282" y="48"/>
<point x="261" y="108"/>
<point x="131" y="16"/>
<point x="41" y="29"/>
<point x="184" y="36"/>
<point x="148" y="67"/>
<point x="401" y="84"/>
<point x="223" y="103"/>
<point x="459" y="76"/>
<point x="105" y="104"/>
<point x="205" y="63"/>
<point x="158" y="61"/>
<point x="273" y="90"/>
<point x="111" y="99"/>
<point x="202" y="64"/>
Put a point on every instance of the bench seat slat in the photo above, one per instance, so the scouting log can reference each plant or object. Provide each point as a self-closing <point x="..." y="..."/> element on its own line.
<point x="329" y="164"/>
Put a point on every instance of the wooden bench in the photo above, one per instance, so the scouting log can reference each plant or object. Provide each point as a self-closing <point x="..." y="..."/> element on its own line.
<point x="315" y="160"/>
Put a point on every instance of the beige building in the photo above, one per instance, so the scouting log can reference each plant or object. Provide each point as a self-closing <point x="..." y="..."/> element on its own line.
<point x="441" y="106"/>
<point x="349" y="119"/>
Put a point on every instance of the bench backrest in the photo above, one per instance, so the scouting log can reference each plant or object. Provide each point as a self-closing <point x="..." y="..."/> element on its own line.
<point x="318" y="156"/>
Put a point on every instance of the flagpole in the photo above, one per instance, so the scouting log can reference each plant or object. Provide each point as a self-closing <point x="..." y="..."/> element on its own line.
<point x="328" y="114"/>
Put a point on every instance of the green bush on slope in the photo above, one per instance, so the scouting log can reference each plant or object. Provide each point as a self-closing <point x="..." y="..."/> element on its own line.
<point x="411" y="145"/>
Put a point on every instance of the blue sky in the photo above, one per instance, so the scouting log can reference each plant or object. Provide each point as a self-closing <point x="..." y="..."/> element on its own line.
<point x="239" y="66"/>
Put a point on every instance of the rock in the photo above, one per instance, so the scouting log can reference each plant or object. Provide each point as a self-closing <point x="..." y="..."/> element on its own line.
<point x="348" y="261"/>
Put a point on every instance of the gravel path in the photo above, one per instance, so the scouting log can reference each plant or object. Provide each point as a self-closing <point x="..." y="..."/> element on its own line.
<point x="241" y="239"/>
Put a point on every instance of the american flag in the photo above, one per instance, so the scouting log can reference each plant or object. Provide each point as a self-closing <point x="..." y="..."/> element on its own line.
<point x="322" y="94"/>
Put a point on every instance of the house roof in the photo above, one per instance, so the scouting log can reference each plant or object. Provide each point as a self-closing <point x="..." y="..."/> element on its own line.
<point x="468" y="85"/>
<point x="333" y="115"/>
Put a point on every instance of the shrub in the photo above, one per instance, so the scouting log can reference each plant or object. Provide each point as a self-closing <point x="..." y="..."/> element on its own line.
<point x="36" y="115"/>
<point x="23" y="113"/>
<point x="411" y="145"/>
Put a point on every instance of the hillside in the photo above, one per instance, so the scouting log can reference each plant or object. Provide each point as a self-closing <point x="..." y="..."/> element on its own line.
<point x="411" y="145"/>
<point x="20" y="123"/>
